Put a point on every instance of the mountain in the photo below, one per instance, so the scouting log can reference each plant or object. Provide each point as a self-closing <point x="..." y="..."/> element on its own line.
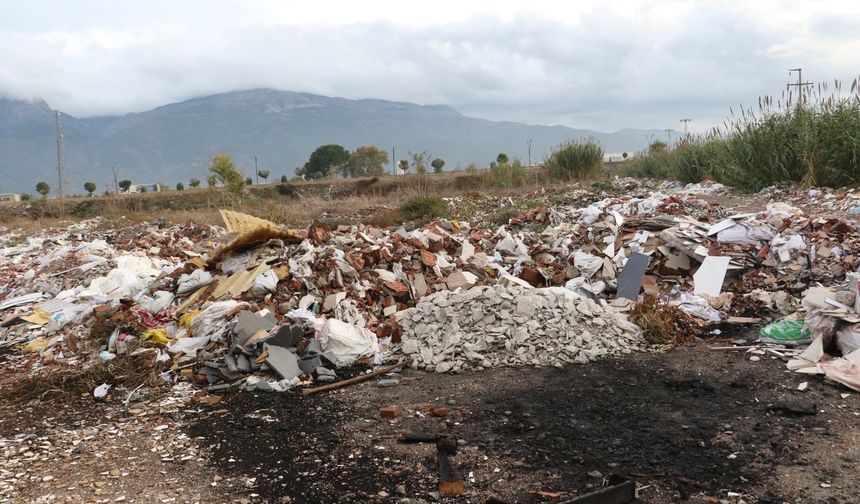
<point x="174" y="142"/>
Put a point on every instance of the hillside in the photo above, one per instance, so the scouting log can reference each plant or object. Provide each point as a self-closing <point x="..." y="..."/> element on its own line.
<point x="174" y="142"/>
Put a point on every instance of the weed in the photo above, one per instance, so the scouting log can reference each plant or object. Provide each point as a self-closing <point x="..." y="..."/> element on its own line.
<point x="663" y="324"/>
<point x="575" y="160"/>
<point x="424" y="208"/>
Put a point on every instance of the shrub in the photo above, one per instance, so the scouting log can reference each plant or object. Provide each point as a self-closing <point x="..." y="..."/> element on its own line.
<point x="508" y="174"/>
<point x="424" y="208"/>
<point x="286" y="189"/>
<point x="575" y="160"/>
<point x="180" y="186"/>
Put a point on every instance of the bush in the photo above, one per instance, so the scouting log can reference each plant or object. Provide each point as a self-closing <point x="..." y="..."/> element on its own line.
<point x="508" y="174"/>
<point x="575" y="160"/>
<point x="86" y="208"/>
<point x="424" y="208"/>
<point x="286" y="189"/>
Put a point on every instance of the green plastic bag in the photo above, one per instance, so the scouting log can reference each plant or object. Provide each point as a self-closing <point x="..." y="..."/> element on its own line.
<point x="786" y="332"/>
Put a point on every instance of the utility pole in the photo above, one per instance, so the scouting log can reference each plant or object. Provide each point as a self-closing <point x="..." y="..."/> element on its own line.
<point x="685" y="121"/>
<point x="529" y="143"/>
<point x="256" y="174"/>
<point x="800" y="84"/>
<point x="115" y="180"/>
<point x="393" y="162"/>
<point x="59" y="152"/>
<point x="668" y="137"/>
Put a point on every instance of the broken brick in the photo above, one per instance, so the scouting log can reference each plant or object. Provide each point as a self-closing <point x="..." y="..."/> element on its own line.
<point x="390" y="412"/>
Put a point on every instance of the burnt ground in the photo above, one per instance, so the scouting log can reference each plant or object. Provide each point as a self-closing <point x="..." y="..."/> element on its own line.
<point x="690" y="423"/>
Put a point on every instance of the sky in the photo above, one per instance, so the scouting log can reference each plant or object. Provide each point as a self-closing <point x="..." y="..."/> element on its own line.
<point x="602" y="65"/>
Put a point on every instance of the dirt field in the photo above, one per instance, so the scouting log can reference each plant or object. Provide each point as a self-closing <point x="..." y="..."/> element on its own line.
<point x="686" y="424"/>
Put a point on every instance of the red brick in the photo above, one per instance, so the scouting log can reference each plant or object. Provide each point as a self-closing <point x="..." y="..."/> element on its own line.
<point x="389" y="412"/>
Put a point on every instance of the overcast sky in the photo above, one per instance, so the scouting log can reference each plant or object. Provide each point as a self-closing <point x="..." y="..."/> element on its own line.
<point x="602" y="65"/>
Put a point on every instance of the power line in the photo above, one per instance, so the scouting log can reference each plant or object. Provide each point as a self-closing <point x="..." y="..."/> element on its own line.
<point x="668" y="136"/>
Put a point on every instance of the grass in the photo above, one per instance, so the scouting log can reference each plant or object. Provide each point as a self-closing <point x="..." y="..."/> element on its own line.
<point x="424" y="208"/>
<point x="811" y="142"/>
<point x="575" y="160"/>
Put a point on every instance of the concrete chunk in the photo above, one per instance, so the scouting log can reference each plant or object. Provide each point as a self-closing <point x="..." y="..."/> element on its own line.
<point x="248" y="323"/>
<point x="284" y="362"/>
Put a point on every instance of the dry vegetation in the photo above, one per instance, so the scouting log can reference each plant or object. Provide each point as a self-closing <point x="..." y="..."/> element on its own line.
<point x="386" y="200"/>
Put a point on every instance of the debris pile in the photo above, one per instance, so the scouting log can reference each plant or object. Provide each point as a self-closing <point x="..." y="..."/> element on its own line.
<point x="260" y="306"/>
<point x="486" y="327"/>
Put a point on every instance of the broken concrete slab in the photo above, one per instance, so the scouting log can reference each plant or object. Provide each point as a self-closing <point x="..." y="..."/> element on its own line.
<point x="283" y="362"/>
<point x="248" y="323"/>
<point x="287" y="336"/>
<point x="309" y="363"/>
<point x="630" y="279"/>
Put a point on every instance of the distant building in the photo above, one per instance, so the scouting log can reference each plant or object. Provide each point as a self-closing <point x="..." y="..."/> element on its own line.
<point x="10" y="197"/>
<point x="140" y="188"/>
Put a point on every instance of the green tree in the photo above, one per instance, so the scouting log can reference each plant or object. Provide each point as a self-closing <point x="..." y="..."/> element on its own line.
<point x="366" y="160"/>
<point x="43" y="188"/>
<point x="624" y="155"/>
<point x="284" y="179"/>
<point x="502" y="158"/>
<point x="419" y="161"/>
<point x="125" y="185"/>
<point x="225" y="173"/>
<point x="180" y="186"/>
<point x="249" y="181"/>
<point x="437" y="165"/>
<point x="324" y="162"/>
<point x="26" y="197"/>
<point x="90" y="187"/>
<point x="263" y="174"/>
<point x="403" y="165"/>
<point x="194" y="182"/>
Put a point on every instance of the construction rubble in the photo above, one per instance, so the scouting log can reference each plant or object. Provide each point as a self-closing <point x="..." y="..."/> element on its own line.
<point x="495" y="326"/>
<point x="257" y="306"/>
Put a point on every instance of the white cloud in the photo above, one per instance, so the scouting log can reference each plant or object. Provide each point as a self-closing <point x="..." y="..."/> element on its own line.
<point x="585" y="64"/>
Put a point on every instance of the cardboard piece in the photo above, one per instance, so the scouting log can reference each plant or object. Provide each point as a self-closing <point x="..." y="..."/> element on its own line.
<point x="630" y="279"/>
<point x="709" y="278"/>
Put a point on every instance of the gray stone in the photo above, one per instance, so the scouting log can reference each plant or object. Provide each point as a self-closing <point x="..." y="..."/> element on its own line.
<point x="248" y="323"/>
<point x="231" y="363"/>
<point x="386" y="382"/>
<point x="284" y="362"/>
<point x="309" y="363"/>
<point x="287" y="336"/>
<point x="243" y="363"/>
<point x="314" y="346"/>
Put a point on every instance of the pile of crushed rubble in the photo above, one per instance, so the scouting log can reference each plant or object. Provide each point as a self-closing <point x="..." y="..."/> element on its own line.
<point x="487" y="327"/>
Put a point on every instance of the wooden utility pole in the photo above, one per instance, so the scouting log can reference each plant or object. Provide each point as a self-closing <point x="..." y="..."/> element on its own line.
<point x="529" y="143"/>
<point x="668" y="137"/>
<point x="59" y="153"/>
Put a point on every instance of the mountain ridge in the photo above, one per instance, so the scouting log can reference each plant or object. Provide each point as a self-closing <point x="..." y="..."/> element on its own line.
<point x="173" y="142"/>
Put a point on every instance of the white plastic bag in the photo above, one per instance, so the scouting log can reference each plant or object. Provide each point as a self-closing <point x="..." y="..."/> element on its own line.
<point x="346" y="342"/>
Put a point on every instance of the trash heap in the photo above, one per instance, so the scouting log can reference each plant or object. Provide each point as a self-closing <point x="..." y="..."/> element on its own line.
<point x="829" y="328"/>
<point x="260" y="306"/>
<point x="486" y="327"/>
